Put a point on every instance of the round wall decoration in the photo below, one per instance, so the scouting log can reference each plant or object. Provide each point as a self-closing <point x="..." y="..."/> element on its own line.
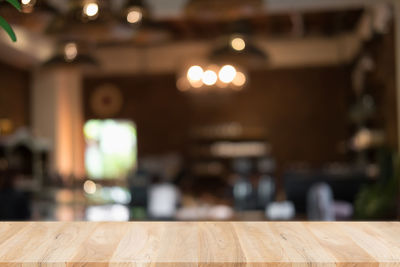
<point x="106" y="101"/>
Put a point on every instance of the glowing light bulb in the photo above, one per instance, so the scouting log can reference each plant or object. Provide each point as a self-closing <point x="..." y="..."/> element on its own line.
<point x="227" y="74"/>
<point x="91" y="9"/>
<point x="134" y="15"/>
<point x="240" y="79"/>
<point x="70" y="51"/>
<point x="209" y="77"/>
<point x="27" y="5"/>
<point x="195" y="73"/>
<point x="196" y="84"/>
<point x="238" y="44"/>
<point x="89" y="187"/>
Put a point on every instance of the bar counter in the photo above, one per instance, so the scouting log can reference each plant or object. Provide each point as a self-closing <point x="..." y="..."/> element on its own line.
<point x="200" y="244"/>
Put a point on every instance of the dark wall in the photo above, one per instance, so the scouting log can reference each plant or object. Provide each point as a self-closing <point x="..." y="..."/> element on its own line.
<point x="14" y="95"/>
<point x="304" y="111"/>
<point x="382" y="83"/>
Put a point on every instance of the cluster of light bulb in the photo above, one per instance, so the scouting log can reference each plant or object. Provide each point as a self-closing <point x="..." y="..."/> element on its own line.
<point x="91" y="9"/>
<point x="222" y="77"/>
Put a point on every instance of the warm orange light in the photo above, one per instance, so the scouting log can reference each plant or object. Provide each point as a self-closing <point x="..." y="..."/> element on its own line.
<point x="209" y="77"/>
<point x="91" y="9"/>
<point x="70" y="51"/>
<point x="227" y="74"/>
<point x="240" y="79"/>
<point x="89" y="187"/>
<point x="238" y="44"/>
<point x="134" y="15"/>
<point x="195" y="73"/>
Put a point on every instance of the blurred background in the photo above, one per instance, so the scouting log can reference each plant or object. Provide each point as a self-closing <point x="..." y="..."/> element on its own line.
<point x="200" y="110"/>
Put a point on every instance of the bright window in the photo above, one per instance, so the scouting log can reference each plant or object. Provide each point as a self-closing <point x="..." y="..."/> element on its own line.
<point x="111" y="148"/>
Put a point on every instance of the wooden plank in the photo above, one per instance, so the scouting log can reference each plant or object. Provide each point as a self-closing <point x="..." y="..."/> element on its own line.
<point x="300" y="246"/>
<point x="260" y="244"/>
<point x="98" y="248"/>
<point x="20" y="247"/>
<point x="340" y="245"/>
<point x="385" y="252"/>
<point x="189" y="244"/>
<point x="147" y="243"/>
<point x="8" y="230"/>
<point x="218" y="245"/>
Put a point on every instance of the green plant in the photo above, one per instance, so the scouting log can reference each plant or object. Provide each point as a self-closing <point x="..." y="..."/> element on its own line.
<point x="378" y="201"/>
<point x="4" y="24"/>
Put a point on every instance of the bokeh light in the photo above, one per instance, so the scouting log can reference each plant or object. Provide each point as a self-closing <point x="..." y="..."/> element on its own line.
<point x="240" y="79"/>
<point x="27" y="5"/>
<point x="89" y="187"/>
<point x="209" y="77"/>
<point x="195" y="73"/>
<point x="134" y="15"/>
<point x="227" y="74"/>
<point x="238" y="44"/>
<point x="91" y="9"/>
<point x="213" y="75"/>
<point x="70" y="51"/>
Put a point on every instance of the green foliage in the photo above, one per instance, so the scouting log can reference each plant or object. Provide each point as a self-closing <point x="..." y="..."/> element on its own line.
<point x="4" y="24"/>
<point x="15" y="3"/>
<point x="378" y="201"/>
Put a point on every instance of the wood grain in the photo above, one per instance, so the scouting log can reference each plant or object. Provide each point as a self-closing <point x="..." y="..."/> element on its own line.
<point x="208" y="244"/>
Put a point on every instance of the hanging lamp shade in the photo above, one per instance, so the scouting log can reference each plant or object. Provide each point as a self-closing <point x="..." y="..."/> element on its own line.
<point x="80" y="60"/>
<point x="240" y="50"/>
<point x="135" y="12"/>
<point x="70" y="53"/>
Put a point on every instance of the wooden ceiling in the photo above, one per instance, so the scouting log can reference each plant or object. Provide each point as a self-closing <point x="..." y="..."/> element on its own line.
<point x="274" y="25"/>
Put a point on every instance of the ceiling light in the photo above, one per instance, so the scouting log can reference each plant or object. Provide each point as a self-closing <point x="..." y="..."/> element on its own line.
<point x="91" y="9"/>
<point x="209" y="77"/>
<point x="240" y="79"/>
<point x="238" y="44"/>
<point x="196" y="84"/>
<point x="226" y="77"/>
<point x="195" y="73"/>
<point x="227" y="74"/>
<point x="70" y="51"/>
<point x="135" y="15"/>
<point x="27" y="5"/>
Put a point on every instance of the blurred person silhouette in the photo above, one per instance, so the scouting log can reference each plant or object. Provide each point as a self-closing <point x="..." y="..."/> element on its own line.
<point x="320" y="203"/>
<point x="14" y="204"/>
<point x="163" y="199"/>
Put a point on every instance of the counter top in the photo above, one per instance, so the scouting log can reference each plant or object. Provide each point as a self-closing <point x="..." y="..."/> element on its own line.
<point x="200" y="244"/>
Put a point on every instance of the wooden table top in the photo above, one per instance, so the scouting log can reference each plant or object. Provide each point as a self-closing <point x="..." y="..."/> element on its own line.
<point x="200" y="244"/>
